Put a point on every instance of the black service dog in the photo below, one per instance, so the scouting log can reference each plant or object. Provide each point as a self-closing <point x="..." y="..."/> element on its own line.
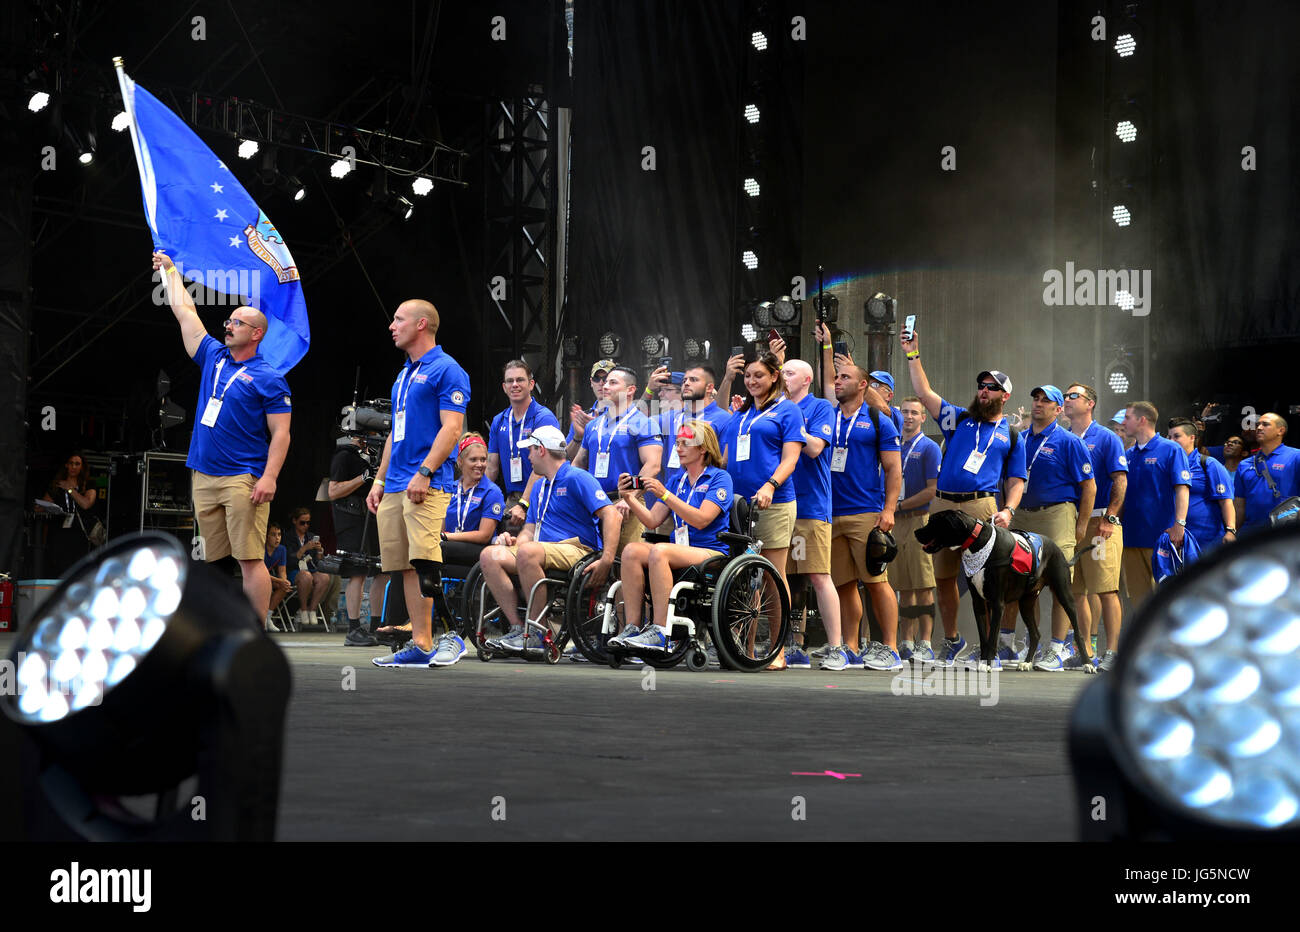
<point x="1009" y="576"/>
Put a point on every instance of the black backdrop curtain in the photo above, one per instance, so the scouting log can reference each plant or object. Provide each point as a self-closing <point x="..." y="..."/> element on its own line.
<point x="652" y="251"/>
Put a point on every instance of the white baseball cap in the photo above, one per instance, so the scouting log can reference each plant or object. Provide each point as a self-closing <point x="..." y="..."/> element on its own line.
<point x="547" y="437"/>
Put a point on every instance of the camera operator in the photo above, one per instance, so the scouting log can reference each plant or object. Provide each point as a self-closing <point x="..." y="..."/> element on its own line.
<point x="351" y="471"/>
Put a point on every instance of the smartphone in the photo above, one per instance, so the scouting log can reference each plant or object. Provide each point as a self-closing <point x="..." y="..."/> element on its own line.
<point x="665" y="361"/>
<point x="841" y="348"/>
<point x="637" y="483"/>
<point x="772" y="335"/>
<point x="909" y="324"/>
<point x="737" y="351"/>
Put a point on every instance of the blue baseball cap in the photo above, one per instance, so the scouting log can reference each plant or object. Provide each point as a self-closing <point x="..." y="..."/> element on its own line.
<point x="1052" y="392"/>
<point x="884" y="378"/>
<point x="677" y="377"/>
<point x="1119" y="416"/>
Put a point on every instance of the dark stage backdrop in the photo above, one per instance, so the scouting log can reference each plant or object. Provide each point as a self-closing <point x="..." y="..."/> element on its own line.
<point x="652" y="250"/>
<point x="887" y="88"/>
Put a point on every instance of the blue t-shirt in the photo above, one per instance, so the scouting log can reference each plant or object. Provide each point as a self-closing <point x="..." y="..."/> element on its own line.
<point x="504" y="436"/>
<point x="1209" y="487"/>
<point x="812" y="475"/>
<point x="432" y="384"/>
<point x="571" y="509"/>
<point x="248" y="391"/>
<point x="1057" y="461"/>
<point x="1107" y="456"/>
<point x="860" y="488"/>
<point x="1153" y="472"/>
<point x="897" y="415"/>
<point x="779" y="423"/>
<point x="622" y="438"/>
<point x="1283" y="466"/>
<point x="970" y="435"/>
<point x="468" y="509"/>
<point x="921" y="458"/>
<point x="278" y="557"/>
<point x="713" y="485"/>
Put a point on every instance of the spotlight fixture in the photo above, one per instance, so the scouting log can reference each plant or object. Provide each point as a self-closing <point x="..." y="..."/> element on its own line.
<point x="654" y="344"/>
<point x="750" y="260"/>
<point x="143" y="671"/>
<point x="609" y="345"/>
<point x="751" y="113"/>
<point x="121" y="122"/>
<point x="752" y="188"/>
<point x="1192" y="735"/>
<point x="1126" y="131"/>
<point x="1119" y="374"/>
<point x="86" y="157"/>
<point x="404" y="207"/>
<point x="1125" y="45"/>
<point x="786" y="311"/>
<point x="1119" y="213"/>
<point x="692" y="348"/>
<point x="759" y="41"/>
<point x="38" y="101"/>
<point x="749" y="333"/>
<point x="247" y="149"/>
<point x="763" y="314"/>
<point x="571" y="346"/>
<point x="422" y="186"/>
<point x="880" y="309"/>
<point x="827" y="306"/>
<point x="1124" y="300"/>
<point x="340" y="168"/>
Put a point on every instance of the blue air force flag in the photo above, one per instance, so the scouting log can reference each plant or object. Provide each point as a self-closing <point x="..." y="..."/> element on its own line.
<point x="204" y="219"/>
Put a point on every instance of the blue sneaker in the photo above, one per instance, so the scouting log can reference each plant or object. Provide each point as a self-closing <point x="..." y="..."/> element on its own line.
<point x="1052" y="659"/>
<point x="495" y="643"/>
<point x="881" y="657"/>
<point x="450" y="649"/>
<point x="835" y="659"/>
<point x="626" y="634"/>
<point x="575" y="655"/>
<point x="1075" y="662"/>
<point x="923" y="653"/>
<point x="797" y="659"/>
<point x="518" y="643"/>
<point x="1013" y="652"/>
<point x="969" y="658"/>
<point x="948" y="651"/>
<point x="905" y="650"/>
<point x="651" y="639"/>
<point x="854" y="659"/>
<point x="408" y="656"/>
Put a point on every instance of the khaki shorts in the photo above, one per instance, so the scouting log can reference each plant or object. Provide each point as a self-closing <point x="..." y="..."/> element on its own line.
<point x="562" y="555"/>
<point x="1056" y="523"/>
<point x="1137" y="573"/>
<point x="631" y="531"/>
<point x="849" y="548"/>
<point x="948" y="562"/>
<point x="1098" y="570"/>
<point x="775" y="526"/>
<point x="408" y="531"/>
<point x="912" y="568"/>
<point x="229" y="524"/>
<point x="810" y="547"/>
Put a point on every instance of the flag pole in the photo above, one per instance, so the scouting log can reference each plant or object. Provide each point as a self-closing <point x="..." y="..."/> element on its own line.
<point x="128" y="104"/>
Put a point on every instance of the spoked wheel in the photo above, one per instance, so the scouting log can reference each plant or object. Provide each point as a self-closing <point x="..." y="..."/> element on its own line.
<point x="585" y="610"/>
<point x="680" y="648"/>
<point x="480" y="603"/>
<point x="751" y="614"/>
<point x="466" y="606"/>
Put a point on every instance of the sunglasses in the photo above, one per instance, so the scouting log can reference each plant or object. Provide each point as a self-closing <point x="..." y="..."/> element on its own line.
<point x="236" y="322"/>
<point x="1075" y="395"/>
<point x="989" y="386"/>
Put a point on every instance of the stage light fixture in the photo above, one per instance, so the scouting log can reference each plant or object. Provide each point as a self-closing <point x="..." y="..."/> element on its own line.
<point x="340" y="168"/>
<point x="1125" y="45"/>
<point x="571" y="347"/>
<point x="1119" y="213"/>
<point x="750" y="260"/>
<point x="290" y="185"/>
<point x="422" y="186"/>
<point x="1119" y="377"/>
<point x="828" y="307"/>
<point x="121" y="122"/>
<point x="609" y="344"/>
<point x="763" y="314"/>
<point x="38" y="101"/>
<point x="1124" y="300"/>
<point x="749" y="333"/>
<point x="142" y="671"/>
<point x="880" y="309"/>
<point x="692" y="348"/>
<point x="786" y="311"/>
<point x="1126" y="131"/>
<point x="654" y="344"/>
<point x="407" y="208"/>
<point x="1192" y="735"/>
<point x="751" y="113"/>
<point x="759" y="41"/>
<point x="247" y="149"/>
<point x="86" y="156"/>
<point x="752" y="188"/>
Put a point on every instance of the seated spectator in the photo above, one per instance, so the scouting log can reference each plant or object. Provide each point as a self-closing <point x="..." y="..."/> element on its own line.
<point x="276" y="560"/>
<point x="475" y="510"/>
<point x="304" y="547"/>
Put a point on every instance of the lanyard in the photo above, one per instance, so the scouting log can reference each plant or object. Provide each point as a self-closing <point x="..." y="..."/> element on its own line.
<point x="906" y="453"/>
<point x="408" y="376"/>
<point x="600" y="430"/>
<point x="216" y="377"/>
<point x="770" y="412"/>
<point x="849" y="432"/>
<point x="678" y="520"/>
<point x="463" y="512"/>
<point x="1043" y="443"/>
<point x="510" y="428"/>
<point x="993" y="435"/>
<point x="550" y="490"/>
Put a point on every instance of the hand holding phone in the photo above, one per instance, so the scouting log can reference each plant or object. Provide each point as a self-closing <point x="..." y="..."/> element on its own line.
<point x="909" y="325"/>
<point x="665" y="361"/>
<point x="841" y="348"/>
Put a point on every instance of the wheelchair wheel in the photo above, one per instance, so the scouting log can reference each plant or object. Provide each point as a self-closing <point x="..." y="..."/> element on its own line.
<point x="696" y="660"/>
<point x="681" y="649"/>
<point x="480" y="602"/>
<point x="584" y="613"/>
<point x="750" y="604"/>
<point x="466" y="606"/>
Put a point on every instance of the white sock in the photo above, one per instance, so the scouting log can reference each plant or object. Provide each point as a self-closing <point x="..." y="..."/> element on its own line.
<point x="904" y="645"/>
<point x="925" y="644"/>
<point x="1006" y="637"/>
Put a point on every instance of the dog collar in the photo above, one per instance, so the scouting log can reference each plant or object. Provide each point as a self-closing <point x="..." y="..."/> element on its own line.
<point x="974" y="535"/>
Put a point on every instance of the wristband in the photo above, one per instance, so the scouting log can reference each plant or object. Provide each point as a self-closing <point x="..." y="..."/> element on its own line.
<point x="523" y="504"/>
<point x="915" y="354"/>
<point x="379" y="482"/>
<point x="826" y="346"/>
<point x="775" y="485"/>
<point x="648" y="392"/>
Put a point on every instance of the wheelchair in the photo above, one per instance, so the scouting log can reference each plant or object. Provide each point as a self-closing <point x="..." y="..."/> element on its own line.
<point x="737" y="597"/>
<point x="570" y="595"/>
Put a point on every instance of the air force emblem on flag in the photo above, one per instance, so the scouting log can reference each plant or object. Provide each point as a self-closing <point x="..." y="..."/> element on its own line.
<point x="267" y="244"/>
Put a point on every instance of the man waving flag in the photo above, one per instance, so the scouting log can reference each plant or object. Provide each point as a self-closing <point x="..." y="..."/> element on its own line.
<point x="206" y="222"/>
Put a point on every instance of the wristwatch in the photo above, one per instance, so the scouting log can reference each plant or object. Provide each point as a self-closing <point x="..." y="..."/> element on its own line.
<point x="1112" y="519"/>
<point x="1181" y="522"/>
<point x="425" y="471"/>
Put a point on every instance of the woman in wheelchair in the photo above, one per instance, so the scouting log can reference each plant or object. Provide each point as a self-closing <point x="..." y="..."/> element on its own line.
<point x="475" y="509"/>
<point x="700" y="505"/>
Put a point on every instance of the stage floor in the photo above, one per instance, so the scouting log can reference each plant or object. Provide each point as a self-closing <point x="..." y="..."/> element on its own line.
<point x="516" y="751"/>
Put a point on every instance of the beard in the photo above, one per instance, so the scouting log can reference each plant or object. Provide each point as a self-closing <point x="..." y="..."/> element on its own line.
<point x="989" y="411"/>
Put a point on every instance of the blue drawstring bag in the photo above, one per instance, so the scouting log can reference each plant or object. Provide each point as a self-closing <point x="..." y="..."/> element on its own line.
<point x="1168" y="560"/>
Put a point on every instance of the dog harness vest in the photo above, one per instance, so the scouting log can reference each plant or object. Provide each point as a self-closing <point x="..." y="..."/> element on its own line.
<point x="1027" y="554"/>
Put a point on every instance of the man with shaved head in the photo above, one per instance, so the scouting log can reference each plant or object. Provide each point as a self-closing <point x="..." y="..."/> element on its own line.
<point x="1268" y="478"/>
<point x="240" y="440"/>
